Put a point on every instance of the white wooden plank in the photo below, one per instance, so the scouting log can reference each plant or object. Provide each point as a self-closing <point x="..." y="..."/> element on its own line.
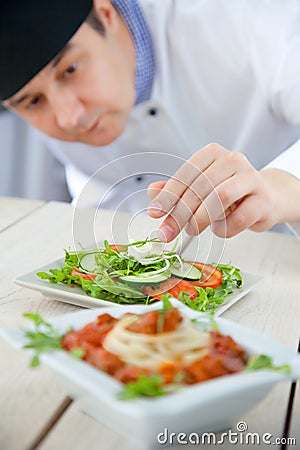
<point x="12" y="210"/>
<point x="68" y="433"/>
<point x="29" y="397"/>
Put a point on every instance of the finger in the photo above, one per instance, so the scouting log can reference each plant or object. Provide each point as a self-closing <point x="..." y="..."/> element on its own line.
<point x="184" y="177"/>
<point x="215" y="206"/>
<point x="245" y="216"/>
<point x="194" y="196"/>
<point x="154" y="188"/>
<point x="217" y="200"/>
<point x="216" y="174"/>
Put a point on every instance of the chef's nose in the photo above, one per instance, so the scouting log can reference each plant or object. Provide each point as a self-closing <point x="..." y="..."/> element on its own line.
<point x="68" y="109"/>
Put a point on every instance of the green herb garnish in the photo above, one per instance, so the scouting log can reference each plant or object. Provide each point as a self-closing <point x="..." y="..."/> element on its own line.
<point x="206" y="325"/>
<point x="231" y="276"/>
<point x="147" y="386"/>
<point x="266" y="362"/>
<point x="77" y="353"/>
<point x="162" y="313"/>
<point x="44" y="338"/>
<point x="166" y="302"/>
<point x="208" y="299"/>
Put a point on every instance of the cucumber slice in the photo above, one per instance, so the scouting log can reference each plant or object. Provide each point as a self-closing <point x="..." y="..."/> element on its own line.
<point x="143" y="279"/>
<point x="186" y="271"/>
<point x="87" y="262"/>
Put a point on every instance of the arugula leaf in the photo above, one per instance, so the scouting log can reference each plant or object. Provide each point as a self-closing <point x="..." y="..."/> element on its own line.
<point x="108" y="250"/>
<point x="207" y="299"/>
<point x="151" y="386"/>
<point x="230" y="275"/>
<point x="266" y="362"/>
<point x="71" y="259"/>
<point x="165" y="301"/>
<point x="44" y="338"/>
<point x="147" y="386"/>
<point x="77" y="353"/>
<point x="162" y="313"/>
<point x="210" y="325"/>
<point x="141" y="243"/>
<point x="57" y="275"/>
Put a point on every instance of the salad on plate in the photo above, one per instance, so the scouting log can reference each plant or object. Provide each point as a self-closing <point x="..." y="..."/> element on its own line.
<point x="142" y="272"/>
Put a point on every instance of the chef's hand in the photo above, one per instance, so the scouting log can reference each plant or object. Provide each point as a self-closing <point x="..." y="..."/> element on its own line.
<point x="216" y="187"/>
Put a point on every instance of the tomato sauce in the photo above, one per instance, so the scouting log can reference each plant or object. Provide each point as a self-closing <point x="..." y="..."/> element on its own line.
<point x="223" y="355"/>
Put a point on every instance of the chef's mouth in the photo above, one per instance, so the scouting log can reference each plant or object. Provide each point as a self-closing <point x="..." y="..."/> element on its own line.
<point x="93" y="126"/>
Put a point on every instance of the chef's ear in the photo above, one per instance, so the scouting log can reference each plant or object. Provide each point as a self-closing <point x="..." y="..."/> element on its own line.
<point x="106" y="13"/>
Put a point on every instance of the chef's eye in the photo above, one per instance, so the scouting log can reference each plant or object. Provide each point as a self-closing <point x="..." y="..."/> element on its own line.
<point x="34" y="101"/>
<point x="71" y="69"/>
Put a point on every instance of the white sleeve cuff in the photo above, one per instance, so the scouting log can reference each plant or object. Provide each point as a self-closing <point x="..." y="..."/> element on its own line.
<point x="289" y="160"/>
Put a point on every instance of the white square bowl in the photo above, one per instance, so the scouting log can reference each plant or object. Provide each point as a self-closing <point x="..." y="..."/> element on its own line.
<point x="204" y="407"/>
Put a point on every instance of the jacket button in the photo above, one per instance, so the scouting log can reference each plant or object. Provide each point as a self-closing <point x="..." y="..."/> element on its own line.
<point x="152" y="112"/>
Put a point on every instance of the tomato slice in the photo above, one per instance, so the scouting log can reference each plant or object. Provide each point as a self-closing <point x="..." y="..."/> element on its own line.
<point x="84" y="276"/>
<point x="186" y="286"/>
<point x="118" y="247"/>
<point x="172" y="286"/>
<point x="162" y="289"/>
<point x="211" y="276"/>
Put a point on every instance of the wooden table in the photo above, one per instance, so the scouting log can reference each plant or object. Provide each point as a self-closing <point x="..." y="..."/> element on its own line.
<point x="35" y="412"/>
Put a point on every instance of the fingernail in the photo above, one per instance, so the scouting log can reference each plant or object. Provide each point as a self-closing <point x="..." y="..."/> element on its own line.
<point x="155" y="208"/>
<point x="189" y="229"/>
<point x="213" y="225"/>
<point x="165" y="233"/>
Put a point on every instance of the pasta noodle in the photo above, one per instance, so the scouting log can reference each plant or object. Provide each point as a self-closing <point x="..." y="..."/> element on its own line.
<point x="160" y="342"/>
<point x="183" y="345"/>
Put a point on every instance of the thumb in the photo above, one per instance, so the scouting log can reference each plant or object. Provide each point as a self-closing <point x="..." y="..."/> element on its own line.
<point x="154" y="188"/>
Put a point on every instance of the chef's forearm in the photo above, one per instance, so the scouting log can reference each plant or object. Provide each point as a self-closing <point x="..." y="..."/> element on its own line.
<point x="287" y="189"/>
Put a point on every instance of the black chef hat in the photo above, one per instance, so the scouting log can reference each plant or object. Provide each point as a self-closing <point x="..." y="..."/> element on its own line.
<point x="32" y="32"/>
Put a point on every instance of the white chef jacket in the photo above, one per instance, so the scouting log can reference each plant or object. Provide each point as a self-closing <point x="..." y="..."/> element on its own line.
<point x="227" y="71"/>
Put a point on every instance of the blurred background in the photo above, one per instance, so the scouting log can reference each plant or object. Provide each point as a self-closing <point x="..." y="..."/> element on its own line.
<point x="27" y="168"/>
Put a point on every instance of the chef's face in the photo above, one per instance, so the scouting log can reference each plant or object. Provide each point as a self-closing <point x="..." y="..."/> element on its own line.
<point x="86" y="92"/>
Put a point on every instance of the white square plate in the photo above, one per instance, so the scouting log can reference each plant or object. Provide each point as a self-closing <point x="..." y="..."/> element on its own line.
<point x="204" y="407"/>
<point x="76" y="296"/>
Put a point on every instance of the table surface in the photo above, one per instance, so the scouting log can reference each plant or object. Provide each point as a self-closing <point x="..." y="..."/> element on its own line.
<point x="35" y="411"/>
